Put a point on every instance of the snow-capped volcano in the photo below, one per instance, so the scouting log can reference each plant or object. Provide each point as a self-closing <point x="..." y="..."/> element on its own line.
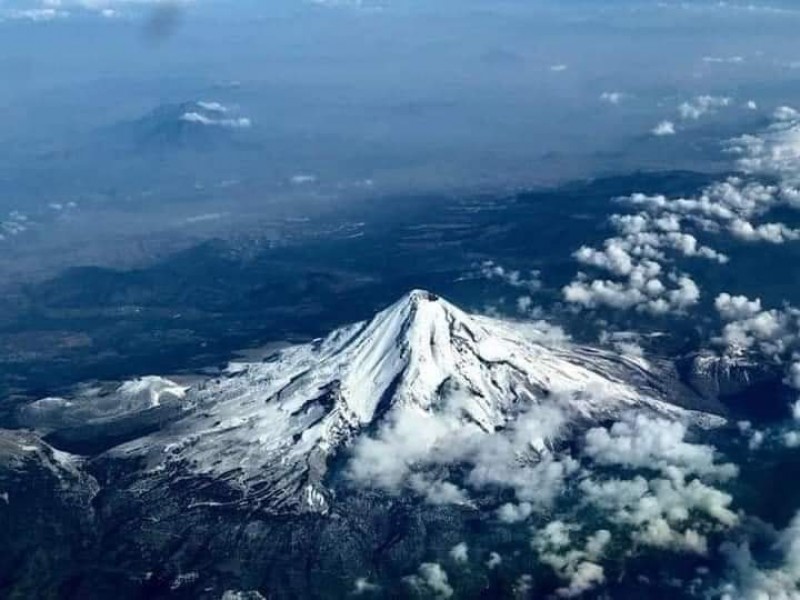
<point x="269" y="428"/>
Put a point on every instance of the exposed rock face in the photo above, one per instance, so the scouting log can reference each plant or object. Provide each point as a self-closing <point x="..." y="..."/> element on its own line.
<point x="46" y="517"/>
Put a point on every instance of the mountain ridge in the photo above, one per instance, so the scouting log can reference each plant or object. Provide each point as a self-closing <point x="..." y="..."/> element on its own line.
<point x="269" y="429"/>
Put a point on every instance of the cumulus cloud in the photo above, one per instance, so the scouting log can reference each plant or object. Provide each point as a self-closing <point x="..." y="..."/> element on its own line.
<point x="729" y="206"/>
<point x="774" y="151"/>
<point x="385" y="461"/>
<point x="494" y="561"/>
<point x="750" y="581"/>
<point x="701" y="106"/>
<point x="460" y="552"/>
<point x="664" y="128"/>
<point x="662" y="512"/>
<point x="638" y="256"/>
<point x="775" y="233"/>
<point x="774" y="332"/>
<point x="554" y="547"/>
<point x="644" y="442"/>
<point x="410" y="452"/>
<point x="13" y="225"/>
<point x="363" y="586"/>
<point x="530" y="280"/>
<point x="514" y="513"/>
<point x="672" y="510"/>
<point x="793" y="378"/>
<point x="612" y="97"/>
<point x="640" y="291"/>
<point x="733" y="308"/>
<point x="431" y="578"/>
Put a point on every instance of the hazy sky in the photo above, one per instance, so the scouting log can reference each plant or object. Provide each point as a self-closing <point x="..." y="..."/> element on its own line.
<point x="372" y="96"/>
<point x="508" y="91"/>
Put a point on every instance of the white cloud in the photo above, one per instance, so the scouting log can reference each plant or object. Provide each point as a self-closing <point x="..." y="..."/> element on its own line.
<point x="775" y="233"/>
<point x="384" y="461"/>
<point x="778" y="582"/>
<point x="583" y="578"/>
<point x="642" y="442"/>
<point x="793" y="377"/>
<point x="701" y="106"/>
<point x="201" y="119"/>
<point x="637" y="257"/>
<point x="460" y="552"/>
<point x="723" y="59"/>
<point x="34" y="14"/>
<point x="791" y="439"/>
<point x="437" y="492"/>
<point x="641" y="292"/>
<point x="775" y="151"/>
<point x="212" y="106"/>
<point x="774" y="332"/>
<point x="578" y="567"/>
<point x="612" y="97"/>
<point x="514" y="513"/>
<point x="559" y="68"/>
<point x="494" y="561"/>
<point x="303" y="179"/>
<point x="431" y="578"/>
<point x="733" y="308"/>
<point x="417" y="442"/>
<point x="664" y="128"/>
<point x="362" y="586"/>
<point x="48" y="10"/>
<point x="530" y="281"/>
<point x="663" y="512"/>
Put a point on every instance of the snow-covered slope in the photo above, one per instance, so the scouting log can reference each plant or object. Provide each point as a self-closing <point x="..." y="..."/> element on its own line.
<point x="269" y="428"/>
<point x="96" y="405"/>
<point x="716" y="375"/>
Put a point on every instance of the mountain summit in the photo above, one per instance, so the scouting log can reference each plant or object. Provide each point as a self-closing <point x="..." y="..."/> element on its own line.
<point x="268" y="429"/>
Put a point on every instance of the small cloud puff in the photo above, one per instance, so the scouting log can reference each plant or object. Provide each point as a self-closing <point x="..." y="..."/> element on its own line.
<point x="460" y="552"/>
<point x="612" y="97"/>
<point x="363" y="586"/>
<point x="578" y="567"/>
<point x="431" y="578"/>
<point x="701" y="106"/>
<point x="664" y="128"/>
<point x="732" y="60"/>
<point x="200" y="119"/>
<point x="750" y="581"/>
